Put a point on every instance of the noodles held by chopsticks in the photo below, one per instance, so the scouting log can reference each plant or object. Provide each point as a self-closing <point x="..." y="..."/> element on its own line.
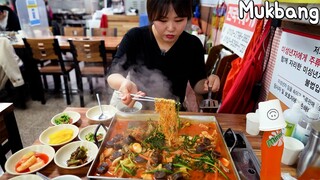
<point x="168" y="120"/>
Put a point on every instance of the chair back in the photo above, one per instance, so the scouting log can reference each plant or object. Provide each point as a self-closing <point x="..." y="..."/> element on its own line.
<point x="44" y="49"/>
<point x="89" y="51"/>
<point x="220" y="67"/>
<point x="46" y="59"/>
<point x="104" y="32"/>
<point x="222" y="71"/>
<point x="74" y="31"/>
<point x="213" y="58"/>
<point x="93" y="54"/>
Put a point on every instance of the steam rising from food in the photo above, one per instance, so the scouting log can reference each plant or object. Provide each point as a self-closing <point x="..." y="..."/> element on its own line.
<point x="150" y="81"/>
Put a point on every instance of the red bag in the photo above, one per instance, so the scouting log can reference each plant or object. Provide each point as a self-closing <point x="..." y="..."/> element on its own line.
<point x="240" y="99"/>
<point x="237" y="64"/>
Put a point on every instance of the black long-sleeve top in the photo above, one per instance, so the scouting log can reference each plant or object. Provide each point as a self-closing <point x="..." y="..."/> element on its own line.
<point x="157" y="73"/>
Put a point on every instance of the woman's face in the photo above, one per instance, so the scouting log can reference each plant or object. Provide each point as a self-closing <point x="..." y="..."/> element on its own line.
<point x="2" y="15"/>
<point x="169" y="28"/>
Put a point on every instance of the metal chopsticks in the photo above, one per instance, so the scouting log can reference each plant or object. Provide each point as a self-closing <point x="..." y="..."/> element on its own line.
<point x="142" y="98"/>
<point x="139" y="97"/>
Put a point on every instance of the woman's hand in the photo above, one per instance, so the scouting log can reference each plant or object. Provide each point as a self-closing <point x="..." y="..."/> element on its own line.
<point x="128" y="87"/>
<point x="212" y="81"/>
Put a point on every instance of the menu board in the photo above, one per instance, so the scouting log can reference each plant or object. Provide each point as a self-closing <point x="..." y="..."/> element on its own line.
<point x="237" y="33"/>
<point x="297" y="69"/>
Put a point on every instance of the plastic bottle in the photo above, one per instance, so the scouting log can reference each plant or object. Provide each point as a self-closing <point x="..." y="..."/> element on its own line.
<point x="292" y="117"/>
<point x="271" y="152"/>
<point x="271" y="123"/>
<point x="303" y="127"/>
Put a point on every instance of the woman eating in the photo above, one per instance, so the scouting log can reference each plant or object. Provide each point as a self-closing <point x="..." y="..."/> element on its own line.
<point x="159" y="59"/>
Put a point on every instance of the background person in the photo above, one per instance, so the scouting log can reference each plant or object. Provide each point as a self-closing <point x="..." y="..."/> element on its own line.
<point x="8" y="19"/>
<point x="11" y="79"/>
<point x="161" y="57"/>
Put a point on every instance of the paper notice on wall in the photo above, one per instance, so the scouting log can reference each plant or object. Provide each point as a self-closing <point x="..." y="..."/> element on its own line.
<point x="237" y="33"/>
<point x="33" y="12"/>
<point x="297" y="69"/>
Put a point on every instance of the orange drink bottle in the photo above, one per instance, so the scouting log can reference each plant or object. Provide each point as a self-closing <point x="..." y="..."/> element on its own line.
<point x="271" y="152"/>
<point x="312" y="172"/>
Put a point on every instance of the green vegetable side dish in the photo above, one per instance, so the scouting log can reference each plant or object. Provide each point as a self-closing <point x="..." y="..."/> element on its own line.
<point x="63" y="119"/>
<point x="78" y="157"/>
<point x="90" y="137"/>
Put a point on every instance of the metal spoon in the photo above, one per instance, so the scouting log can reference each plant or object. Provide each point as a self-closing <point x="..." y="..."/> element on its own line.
<point x="101" y="116"/>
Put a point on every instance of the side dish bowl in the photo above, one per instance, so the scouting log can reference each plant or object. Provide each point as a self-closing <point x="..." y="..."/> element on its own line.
<point x="27" y="177"/>
<point x="49" y="132"/>
<point x="124" y="109"/>
<point x="64" y="153"/>
<point x="90" y="129"/>
<point x="93" y="114"/>
<point x="11" y="163"/>
<point x="75" y="116"/>
<point x="67" y="177"/>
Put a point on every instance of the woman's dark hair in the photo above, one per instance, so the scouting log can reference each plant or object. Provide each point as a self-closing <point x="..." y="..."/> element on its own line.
<point x="1" y="8"/>
<point x="158" y="9"/>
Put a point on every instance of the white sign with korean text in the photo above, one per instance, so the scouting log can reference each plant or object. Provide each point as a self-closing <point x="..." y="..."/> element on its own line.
<point x="237" y="33"/>
<point x="297" y="69"/>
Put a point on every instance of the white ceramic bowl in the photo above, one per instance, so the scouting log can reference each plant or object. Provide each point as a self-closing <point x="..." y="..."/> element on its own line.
<point x="75" y="116"/>
<point x="124" y="109"/>
<point x="67" y="177"/>
<point x="90" y="129"/>
<point x="44" y="136"/>
<point x="27" y="177"/>
<point x="14" y="159"/>
<point x="64" y="153"/>
<point x="93" y="114"/>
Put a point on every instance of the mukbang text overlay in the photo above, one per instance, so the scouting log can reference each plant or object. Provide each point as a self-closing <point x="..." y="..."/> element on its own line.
<point x="273" y="10"/>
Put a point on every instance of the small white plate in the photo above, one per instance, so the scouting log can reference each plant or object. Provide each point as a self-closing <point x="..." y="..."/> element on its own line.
<point x="14" y="159"/>
<point x="44" y="136"/>
<point x="75" y="116"/>
<point x="90" y="129"/>
<point x="124" y="109"/>
<point x="64" y="153"/>
<point x="27" y="177"/>
<point x="67" y="177"/>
